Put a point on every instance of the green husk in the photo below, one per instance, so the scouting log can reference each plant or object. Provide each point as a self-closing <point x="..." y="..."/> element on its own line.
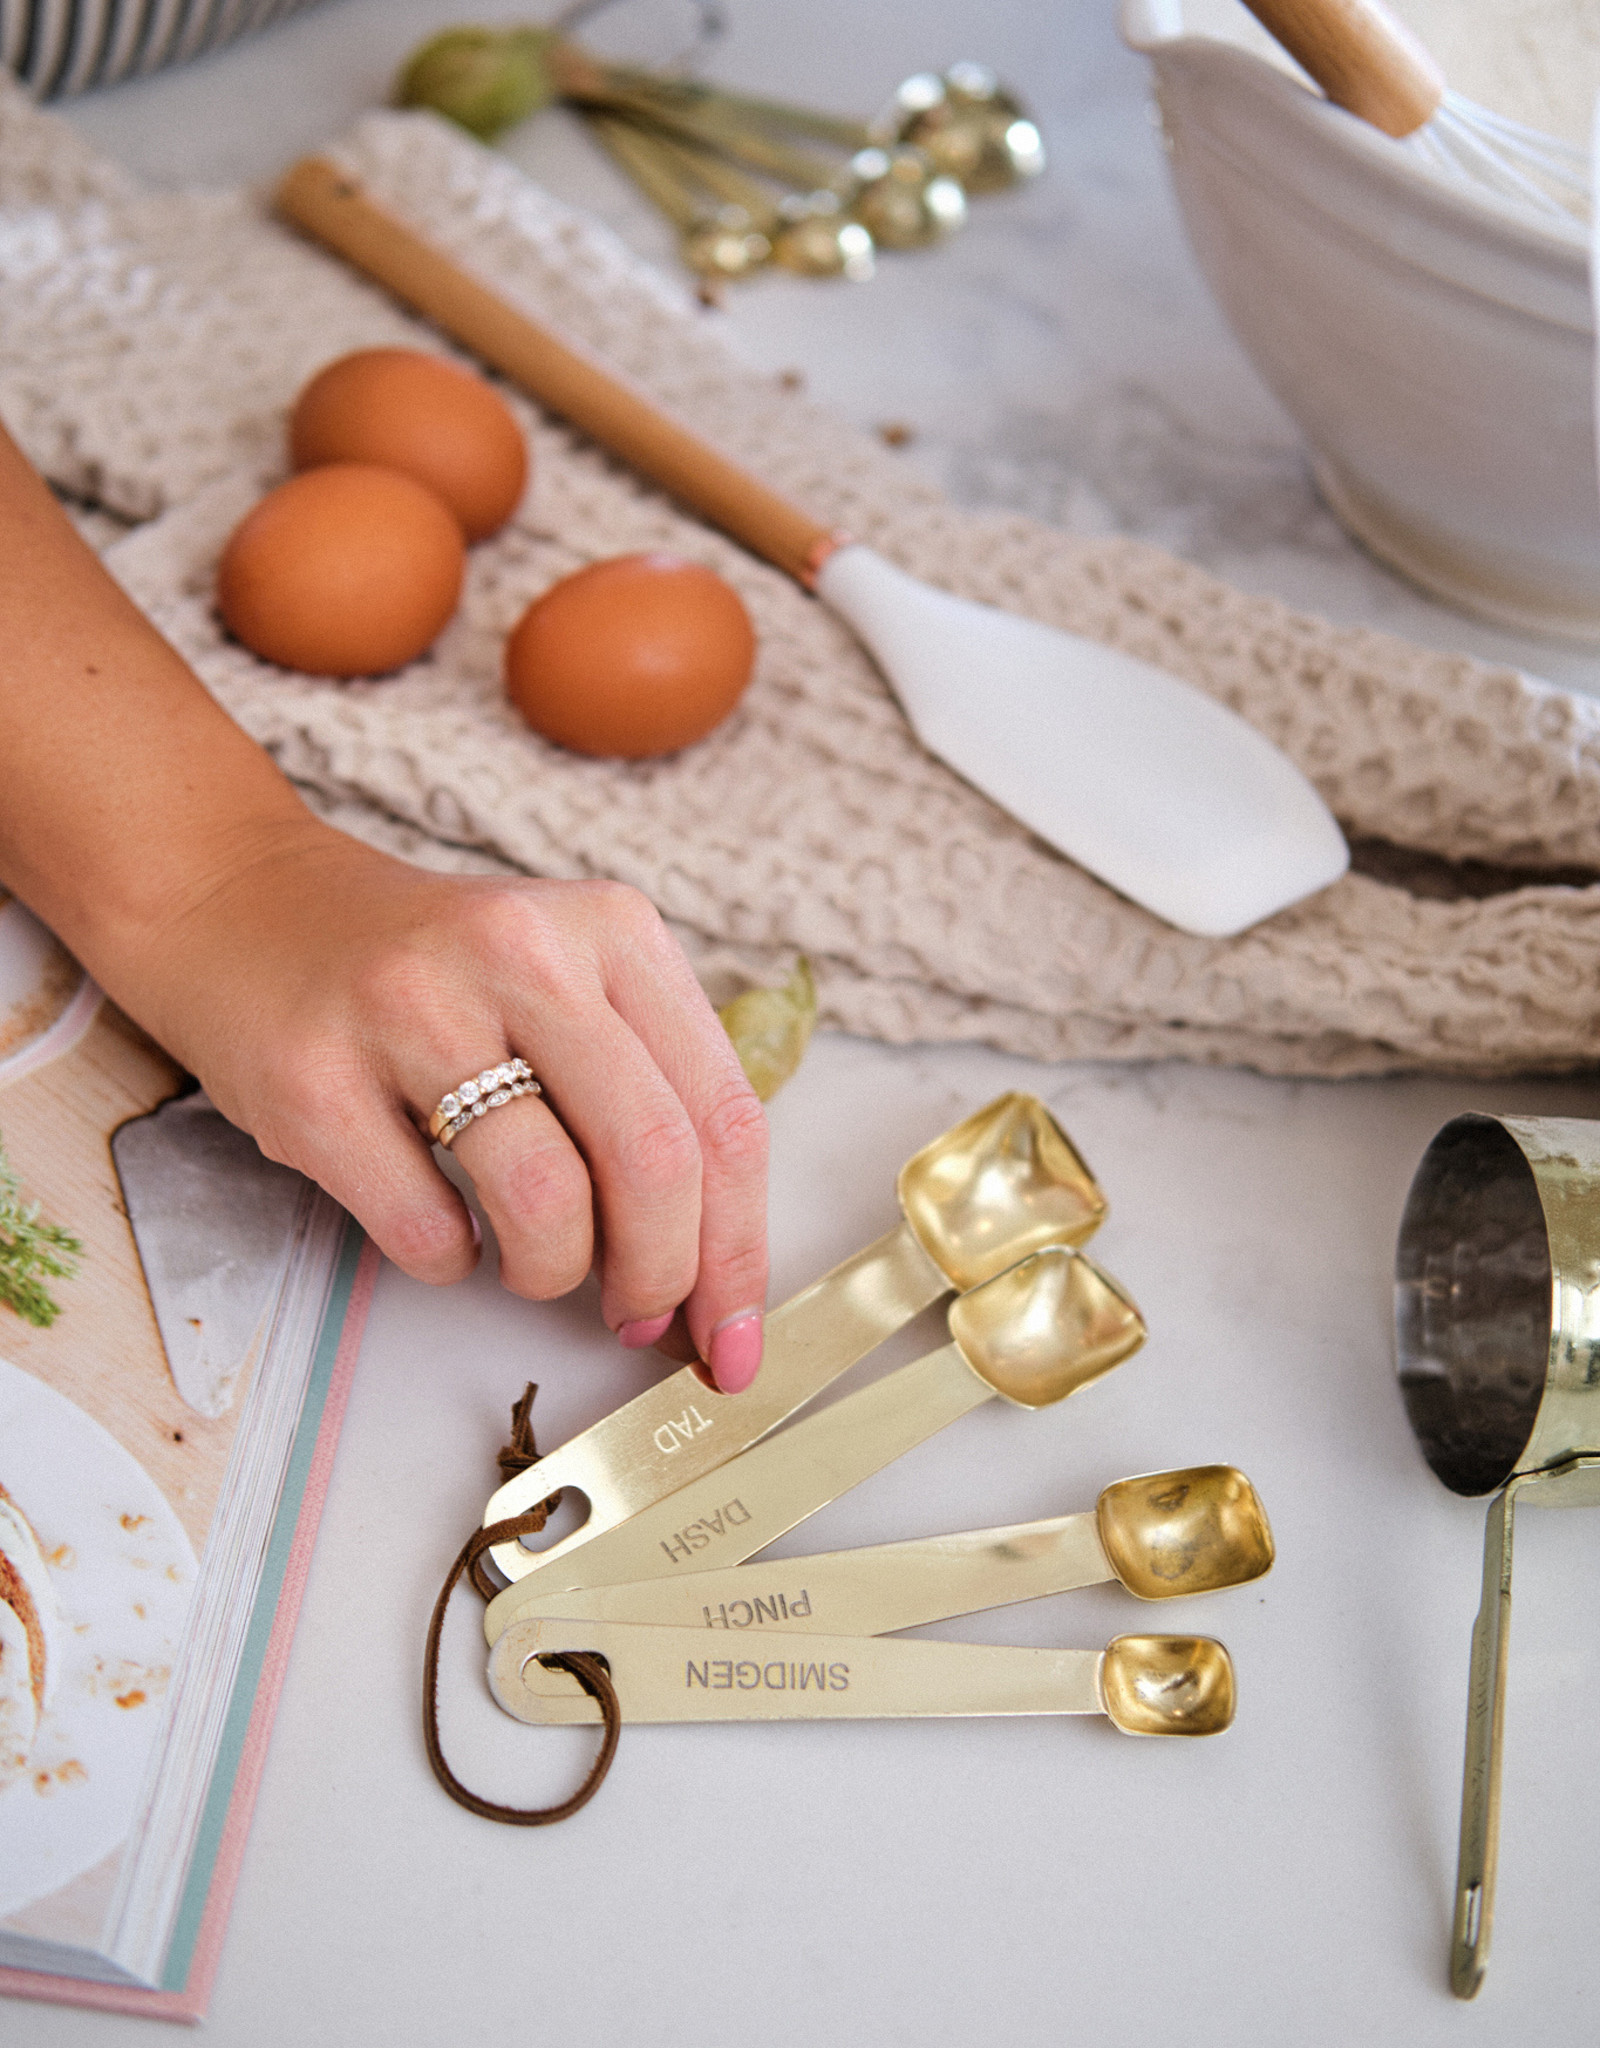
<point x="771" y="1028"/>
<point x="484" y="79"/>
<point x="30" y="1249"/>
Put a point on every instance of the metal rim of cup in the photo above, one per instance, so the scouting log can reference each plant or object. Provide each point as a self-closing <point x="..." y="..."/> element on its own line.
<point x="1497" y="1298"/>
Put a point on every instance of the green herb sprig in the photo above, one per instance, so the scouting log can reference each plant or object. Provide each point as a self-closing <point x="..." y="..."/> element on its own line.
<point x="31" y="1252"/>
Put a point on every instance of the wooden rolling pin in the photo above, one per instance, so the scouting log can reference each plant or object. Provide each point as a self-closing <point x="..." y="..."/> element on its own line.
<point x="331" y="206"/>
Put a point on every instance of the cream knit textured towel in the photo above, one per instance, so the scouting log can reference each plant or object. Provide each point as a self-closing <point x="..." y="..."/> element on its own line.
<point x="150" y="344"/>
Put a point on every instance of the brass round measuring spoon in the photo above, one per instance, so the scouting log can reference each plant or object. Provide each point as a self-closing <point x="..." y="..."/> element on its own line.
<point x="718" y="237"/>
<point x="726" y="244"/>
<point x="1497" y="1326"/>
<point x="968" y="126"/>
<point x="816" y="238"/>
<point x="1148" y="1685"/>
<point x="901" y="199"/>
<point x="1165" y="1535"/>
<point x="1002" y="1183"/>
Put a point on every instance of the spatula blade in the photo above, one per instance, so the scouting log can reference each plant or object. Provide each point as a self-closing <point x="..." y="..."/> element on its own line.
<point x="1144" y="780"/>
<point x="214" y="1223"/>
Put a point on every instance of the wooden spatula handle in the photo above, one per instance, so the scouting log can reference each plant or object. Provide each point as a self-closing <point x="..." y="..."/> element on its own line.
<point x="1363" y="58"/>
<point x="320" y="198"/>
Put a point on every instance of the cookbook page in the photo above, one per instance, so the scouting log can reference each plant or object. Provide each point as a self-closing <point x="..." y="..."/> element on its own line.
<point x="109" y="1476"/>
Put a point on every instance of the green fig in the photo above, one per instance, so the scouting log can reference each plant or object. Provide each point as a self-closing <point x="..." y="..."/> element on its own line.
<point x="484" y="79"/>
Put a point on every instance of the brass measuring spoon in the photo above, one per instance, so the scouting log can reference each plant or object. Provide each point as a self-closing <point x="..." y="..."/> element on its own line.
<point x="1148" y="1685"/>
<point x="1163" y="1535"/>
<point x="1497" y="1325"/>
<point x="718" y="235"/>
<point x="1034" y="1335"/>
<point x="969" y="127"/>
<point x="1003" y="1182"/>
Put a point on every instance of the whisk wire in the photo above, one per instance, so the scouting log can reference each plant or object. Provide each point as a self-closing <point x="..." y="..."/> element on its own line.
<point x="1470" y="145"/>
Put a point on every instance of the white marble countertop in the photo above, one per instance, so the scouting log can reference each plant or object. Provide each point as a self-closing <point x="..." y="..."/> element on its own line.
<point x="941" y="1883"/>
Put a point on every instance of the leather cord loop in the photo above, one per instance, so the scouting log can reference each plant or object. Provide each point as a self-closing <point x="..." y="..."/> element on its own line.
<point x="589" y="1670"/>
<point x="515" y="1456"/>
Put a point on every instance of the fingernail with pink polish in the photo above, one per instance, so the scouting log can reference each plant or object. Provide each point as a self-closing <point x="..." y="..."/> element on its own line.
<point x="647" y="1331"/>
<point x="477" y="1229"/>
<point x="736" y="1351"/>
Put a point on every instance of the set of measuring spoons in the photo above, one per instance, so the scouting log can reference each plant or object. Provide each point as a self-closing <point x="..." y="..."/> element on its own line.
<point x="685" y="1486"/>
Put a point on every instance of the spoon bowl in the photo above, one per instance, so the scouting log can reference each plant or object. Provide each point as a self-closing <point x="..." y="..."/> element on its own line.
<point x="1003" y="1183"/>
<point x="968" y="127"/>
<point x="901" y="199"/>
<point x="1168" y="1685"/>
<point x="1168" y="1534"/>
<point x="1045" y="1327"/>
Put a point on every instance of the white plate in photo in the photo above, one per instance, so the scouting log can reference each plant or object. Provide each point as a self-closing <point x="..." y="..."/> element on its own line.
<point x="123" y="1572"/>
<point x="47" y="1002"/>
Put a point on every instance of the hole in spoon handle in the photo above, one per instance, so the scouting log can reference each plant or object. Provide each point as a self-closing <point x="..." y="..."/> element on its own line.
<point x="1480" y="1783"/>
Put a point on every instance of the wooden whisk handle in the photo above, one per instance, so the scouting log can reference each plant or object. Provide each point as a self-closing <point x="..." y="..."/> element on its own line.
<point x="1363" y="58"/>
<point x="331" y="206"/>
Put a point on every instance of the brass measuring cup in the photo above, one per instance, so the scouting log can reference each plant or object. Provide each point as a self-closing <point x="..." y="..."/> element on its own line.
<point x="1497" y="1336"/>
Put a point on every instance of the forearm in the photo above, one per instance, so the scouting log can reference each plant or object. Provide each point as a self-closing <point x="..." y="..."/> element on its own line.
<point x="129" y="795"/>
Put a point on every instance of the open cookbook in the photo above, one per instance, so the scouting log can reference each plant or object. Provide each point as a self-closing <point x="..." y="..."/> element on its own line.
<point x="178" y="1324"/>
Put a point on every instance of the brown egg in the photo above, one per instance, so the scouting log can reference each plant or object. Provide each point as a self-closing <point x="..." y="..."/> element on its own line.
<point x="344" y="571"/>
<point x="416" y="413"/>
<point x="635" y="656"/>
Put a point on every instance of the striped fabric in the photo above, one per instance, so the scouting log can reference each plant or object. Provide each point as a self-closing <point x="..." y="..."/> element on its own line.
<point x="57" y="47"/>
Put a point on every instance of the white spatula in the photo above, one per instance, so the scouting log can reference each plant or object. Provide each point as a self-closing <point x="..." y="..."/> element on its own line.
<point x="1144" y="780"/>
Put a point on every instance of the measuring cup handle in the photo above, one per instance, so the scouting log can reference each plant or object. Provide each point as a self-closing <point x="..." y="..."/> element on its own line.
<point x="1480" y="1784"/>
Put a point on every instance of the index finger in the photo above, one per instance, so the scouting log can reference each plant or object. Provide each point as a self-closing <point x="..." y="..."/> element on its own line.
<point x="652" y="987"/>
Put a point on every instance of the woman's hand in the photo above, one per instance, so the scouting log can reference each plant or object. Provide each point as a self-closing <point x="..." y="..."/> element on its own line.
<point x="328" y="996"/>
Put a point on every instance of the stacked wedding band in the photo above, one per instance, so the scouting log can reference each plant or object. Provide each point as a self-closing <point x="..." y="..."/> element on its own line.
<point x="478" y="1096"/>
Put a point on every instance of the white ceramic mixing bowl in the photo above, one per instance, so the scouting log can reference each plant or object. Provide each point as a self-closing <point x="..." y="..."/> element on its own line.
<point x="1436" y="347"/>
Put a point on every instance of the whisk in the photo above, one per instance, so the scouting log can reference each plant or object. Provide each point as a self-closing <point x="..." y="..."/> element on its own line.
<point x="1373" y="66"/>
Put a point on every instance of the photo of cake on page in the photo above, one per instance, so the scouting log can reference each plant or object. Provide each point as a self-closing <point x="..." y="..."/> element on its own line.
<point x="178" y="1322"/>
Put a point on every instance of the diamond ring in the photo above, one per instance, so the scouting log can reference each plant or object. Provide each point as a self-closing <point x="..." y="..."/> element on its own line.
<point x="475" y="1098"/>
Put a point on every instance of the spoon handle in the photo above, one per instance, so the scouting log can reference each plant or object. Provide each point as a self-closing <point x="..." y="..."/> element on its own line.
<point x="1480" y="1784"/>
<point x="672" y="1674"/>
<point x="742" y="1507"/>
<point x="866" y="1592"/>
<point x="1148" y="1685"/>
<point x="676" y="1431"/>
<point x="331" y="205"/>
<point x="1363" y="58"/>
